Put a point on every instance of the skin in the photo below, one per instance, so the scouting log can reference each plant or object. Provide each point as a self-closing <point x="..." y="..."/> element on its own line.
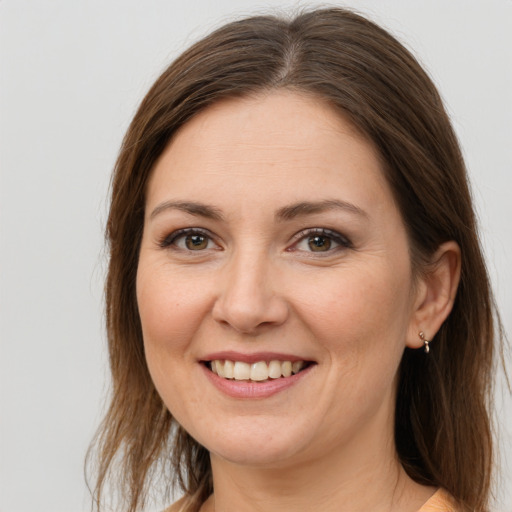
<point x="256" y="285"/>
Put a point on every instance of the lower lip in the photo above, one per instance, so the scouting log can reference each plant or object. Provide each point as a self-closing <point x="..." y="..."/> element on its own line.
<point x="248" y="389"/>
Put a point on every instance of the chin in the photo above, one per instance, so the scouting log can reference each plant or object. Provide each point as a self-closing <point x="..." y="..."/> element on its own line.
<point x="250" y="443"/>
<point x="271" y="457"/>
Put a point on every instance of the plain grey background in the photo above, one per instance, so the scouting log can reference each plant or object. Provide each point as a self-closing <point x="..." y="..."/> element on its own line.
<point x="72" y="75"/>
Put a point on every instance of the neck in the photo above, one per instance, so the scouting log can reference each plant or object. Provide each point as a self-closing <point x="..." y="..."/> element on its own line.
<point x="364" y="475"/>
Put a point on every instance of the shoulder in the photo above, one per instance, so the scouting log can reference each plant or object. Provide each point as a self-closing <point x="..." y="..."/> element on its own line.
<point x="441" y="501"/>
<point x="178" y="506"/>
<point x="189" y="504"/>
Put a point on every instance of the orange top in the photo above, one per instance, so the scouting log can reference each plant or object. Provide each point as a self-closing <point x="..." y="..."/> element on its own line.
<point x="440" y="501"/>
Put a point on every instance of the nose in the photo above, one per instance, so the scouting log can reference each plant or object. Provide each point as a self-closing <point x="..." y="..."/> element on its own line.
<point x="248" y="299"/>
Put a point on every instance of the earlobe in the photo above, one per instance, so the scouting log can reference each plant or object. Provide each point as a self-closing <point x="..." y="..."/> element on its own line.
<point x="435" y="295"/>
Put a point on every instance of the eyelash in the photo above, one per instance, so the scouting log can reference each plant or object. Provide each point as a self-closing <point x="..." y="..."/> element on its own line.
<point x="171" y="239"/>
<point x="342" y="241"/>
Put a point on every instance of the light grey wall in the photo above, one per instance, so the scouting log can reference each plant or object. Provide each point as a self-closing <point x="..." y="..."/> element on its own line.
<point x="72" y="74"/>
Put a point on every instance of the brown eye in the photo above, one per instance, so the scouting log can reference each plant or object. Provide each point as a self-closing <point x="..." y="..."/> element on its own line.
<point x="322" y="241"/>
<point x="319" y="243"/>
<point x="189" y="240"/>
<point x="196" y="242"/>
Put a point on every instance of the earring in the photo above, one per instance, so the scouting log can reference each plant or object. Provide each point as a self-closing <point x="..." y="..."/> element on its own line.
<point x="425" y="341"/>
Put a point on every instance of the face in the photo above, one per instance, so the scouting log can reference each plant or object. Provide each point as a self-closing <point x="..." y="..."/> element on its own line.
<point x="274" y="283"/>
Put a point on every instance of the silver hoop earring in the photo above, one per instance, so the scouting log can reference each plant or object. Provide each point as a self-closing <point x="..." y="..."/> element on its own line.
<point x="425" y="342"/>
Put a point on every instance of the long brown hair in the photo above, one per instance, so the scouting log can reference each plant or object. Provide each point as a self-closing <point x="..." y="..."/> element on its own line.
<point x="443" y="435"/>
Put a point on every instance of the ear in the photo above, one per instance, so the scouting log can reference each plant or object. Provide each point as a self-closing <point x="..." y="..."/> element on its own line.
<point x="435" y="294"/>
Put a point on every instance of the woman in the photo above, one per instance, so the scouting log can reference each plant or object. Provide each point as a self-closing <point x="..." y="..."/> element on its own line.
<point x="298" y="310"/>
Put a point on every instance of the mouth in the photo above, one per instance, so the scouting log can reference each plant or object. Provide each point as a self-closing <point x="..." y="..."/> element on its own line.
<point x="259" y="371"/>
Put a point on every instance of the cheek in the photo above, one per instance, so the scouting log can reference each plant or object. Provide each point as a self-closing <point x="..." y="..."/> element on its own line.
<point x="360" y="318"/>
<point x="350" y="302"/>
<point x="169" y="308"/>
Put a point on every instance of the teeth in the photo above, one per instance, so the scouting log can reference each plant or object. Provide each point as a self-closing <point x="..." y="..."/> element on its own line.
<point x="220" y="368"/>
<point x="242" y="371"/>
<point x="297" y="366"/>
<point x="286" y="368"/>
<point x="257" y="372"/>
<point x="274" y="369"/>
<point x="229" y="369"/>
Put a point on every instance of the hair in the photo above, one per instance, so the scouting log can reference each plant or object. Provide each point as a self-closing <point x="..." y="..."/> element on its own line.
<point x="442" y="424"/>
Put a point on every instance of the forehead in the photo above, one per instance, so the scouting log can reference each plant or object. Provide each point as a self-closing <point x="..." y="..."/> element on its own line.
<point x="278" y="145"/>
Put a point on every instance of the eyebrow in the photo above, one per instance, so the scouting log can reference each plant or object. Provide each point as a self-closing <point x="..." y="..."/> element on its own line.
<point x="310" y="207"/>
<point x="286" y="213"/>
<point x="198" y="209"/>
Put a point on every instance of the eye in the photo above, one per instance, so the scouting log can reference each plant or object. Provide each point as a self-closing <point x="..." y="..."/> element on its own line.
<point x="320" y="240"/>
<point x="319" y="243"/>
<point x="190" y="239"/>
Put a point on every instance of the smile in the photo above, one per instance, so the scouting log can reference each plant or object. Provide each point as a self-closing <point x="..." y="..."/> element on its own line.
<point x="259" y="371"/>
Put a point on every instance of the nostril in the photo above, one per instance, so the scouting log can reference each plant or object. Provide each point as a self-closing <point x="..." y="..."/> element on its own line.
<point x="250" y="315"/>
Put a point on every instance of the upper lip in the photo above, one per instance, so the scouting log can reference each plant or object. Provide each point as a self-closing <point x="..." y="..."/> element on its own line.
<point x="254" y="357"/>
